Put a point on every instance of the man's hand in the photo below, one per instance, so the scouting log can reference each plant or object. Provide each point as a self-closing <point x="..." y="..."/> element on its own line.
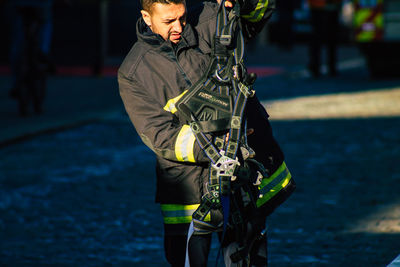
<point x="248" y="132"/>
<point x="228" y="3"/>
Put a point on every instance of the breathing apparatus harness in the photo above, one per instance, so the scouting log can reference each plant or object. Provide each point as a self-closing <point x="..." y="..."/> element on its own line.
<point x="214" y="108"/>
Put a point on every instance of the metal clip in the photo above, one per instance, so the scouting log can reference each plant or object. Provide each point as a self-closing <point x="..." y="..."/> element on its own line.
<point x="247" y="152"/>
<point x="221" y="79"/>
<point x="237" y="72"/>
<point x="258" y="179"/>
<point x="246" y="91"/>
<point x="225" y="39"/>
<point x="226" y="166"/>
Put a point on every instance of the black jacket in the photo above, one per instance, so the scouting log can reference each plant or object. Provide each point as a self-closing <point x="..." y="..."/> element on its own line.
<point x="153" y="75"/>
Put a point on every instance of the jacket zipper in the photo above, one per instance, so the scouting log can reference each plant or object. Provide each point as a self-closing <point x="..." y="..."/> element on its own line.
<point x="187" y="79"/>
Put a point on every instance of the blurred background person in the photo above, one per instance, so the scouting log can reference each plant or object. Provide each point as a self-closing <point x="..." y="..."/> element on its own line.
<point x="325" y="29"/>
<point x="31" y="22"/>
<point x="285" y="10"/>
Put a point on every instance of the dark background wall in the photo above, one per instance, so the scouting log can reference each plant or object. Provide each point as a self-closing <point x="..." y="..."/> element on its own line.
<point x="82" y="27"/>
<point x="77" y="31"/>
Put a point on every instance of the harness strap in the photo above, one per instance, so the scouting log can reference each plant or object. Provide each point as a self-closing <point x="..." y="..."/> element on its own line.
<point x="224" y="74"/>
<point x="223" y="163"/>
<point x="213" y="105"/>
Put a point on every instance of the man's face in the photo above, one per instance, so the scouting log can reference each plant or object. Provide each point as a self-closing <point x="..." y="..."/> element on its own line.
<point x="167" y="20"/>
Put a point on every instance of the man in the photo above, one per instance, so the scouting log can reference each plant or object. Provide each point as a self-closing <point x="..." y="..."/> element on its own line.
<point x="285" y="10"/>
<point x="172" y="52"/>
<point x="325" y="31"/>
<point x="31" y="38"/>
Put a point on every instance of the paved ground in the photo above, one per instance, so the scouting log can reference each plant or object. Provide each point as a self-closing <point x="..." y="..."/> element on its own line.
<point x="78" y="98"/>
<point x="83" y="195"/>
<point x="70" y="101"/>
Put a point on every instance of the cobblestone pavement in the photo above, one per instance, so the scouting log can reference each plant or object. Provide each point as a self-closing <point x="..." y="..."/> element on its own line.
<point x="85" y="196"/>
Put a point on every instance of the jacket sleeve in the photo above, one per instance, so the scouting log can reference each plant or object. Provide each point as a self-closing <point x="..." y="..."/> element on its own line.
<point x="255" y="14"/>
<point x="158" y="128"/>
<point x="262" y="141"/>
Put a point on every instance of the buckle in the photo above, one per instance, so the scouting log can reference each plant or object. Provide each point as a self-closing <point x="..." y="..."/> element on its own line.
<point x="246" y="91"/>
<point x="225" y="39"/>
<point x="226" y="166"/>
<point x="220" y="79"/>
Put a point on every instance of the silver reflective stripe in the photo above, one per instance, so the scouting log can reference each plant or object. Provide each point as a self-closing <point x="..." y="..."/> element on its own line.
<point x="184" y="144"/>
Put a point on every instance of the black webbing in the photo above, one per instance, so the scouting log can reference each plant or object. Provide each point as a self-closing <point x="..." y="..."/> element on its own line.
<point x="222" y="74"/>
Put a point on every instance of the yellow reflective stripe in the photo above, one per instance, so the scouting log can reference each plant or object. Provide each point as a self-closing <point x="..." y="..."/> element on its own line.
<point x="361" y="16"/>
<point x="176" y="220"/>
<point x="170" y="106"/>
<point x="184" y="144"/>
<point x="363" y="21"/>
<point x="283" y="175"/>
<point x="258" y="13"/>
<point x="268" y="180"/>
<point x="178" y="213"/>
<point x="175" y="207"/>
<point x="378" y="21"/>
<point x="365" y="36"/>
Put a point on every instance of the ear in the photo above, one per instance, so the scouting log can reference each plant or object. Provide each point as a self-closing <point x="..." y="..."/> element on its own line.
<point x="146" y="17"/>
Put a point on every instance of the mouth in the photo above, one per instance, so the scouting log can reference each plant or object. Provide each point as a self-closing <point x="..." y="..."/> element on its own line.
<point x="175" y="36"/>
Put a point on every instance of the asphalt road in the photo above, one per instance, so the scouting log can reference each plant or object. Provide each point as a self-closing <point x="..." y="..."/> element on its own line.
<point x="84" y="196"/>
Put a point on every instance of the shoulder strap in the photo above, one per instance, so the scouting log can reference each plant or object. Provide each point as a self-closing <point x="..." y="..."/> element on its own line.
<point x="223" y="90"/>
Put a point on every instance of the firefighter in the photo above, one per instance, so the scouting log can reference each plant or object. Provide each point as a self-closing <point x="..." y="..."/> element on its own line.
<point x="173" y="51"/>
<point x="325" y="29"/>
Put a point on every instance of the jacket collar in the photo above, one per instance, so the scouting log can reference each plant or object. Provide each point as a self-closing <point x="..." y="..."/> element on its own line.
<point x="144" y="34"/>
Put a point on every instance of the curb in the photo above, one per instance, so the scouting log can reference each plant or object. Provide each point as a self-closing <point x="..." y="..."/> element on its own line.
<point x="57" y="127"/>
<point x="395" y="262"/>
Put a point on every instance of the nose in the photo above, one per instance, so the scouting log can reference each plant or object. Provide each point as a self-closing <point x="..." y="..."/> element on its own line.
<point x="178" y="26"/>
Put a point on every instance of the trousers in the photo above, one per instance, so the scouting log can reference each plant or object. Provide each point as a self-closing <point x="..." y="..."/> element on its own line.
<point x="200" y="246"/>
<point x="325" y="28"/>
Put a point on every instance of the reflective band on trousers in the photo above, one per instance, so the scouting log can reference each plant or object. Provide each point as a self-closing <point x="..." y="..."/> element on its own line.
<point x="270" y="186"/>
<point x="177" y="213"/>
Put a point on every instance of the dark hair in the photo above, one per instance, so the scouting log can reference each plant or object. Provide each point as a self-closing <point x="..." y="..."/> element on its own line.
<point x="146" y="4"/>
